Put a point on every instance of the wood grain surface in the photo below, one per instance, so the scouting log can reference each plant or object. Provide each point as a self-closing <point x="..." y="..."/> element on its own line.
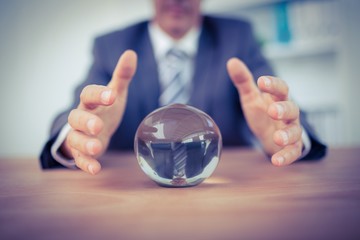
<point x="246" y="198"/>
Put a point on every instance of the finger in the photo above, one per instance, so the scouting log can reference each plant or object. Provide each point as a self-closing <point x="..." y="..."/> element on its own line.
<point x="286" y="111"/>
<point x="289" y="135"/>
<point x="274" y="86"/>
<point x="83" y="143"/>
<point x="124" y="71"/>
<point x="242" y="78"/>
<point x="287" y="155"/>
<point x="86" y="122"/>
<point x="96" y="95"/>
<point x="86" y="163"/>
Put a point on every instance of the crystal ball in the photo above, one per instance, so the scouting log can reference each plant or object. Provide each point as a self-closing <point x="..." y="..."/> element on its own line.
<point x="178" y="146"/>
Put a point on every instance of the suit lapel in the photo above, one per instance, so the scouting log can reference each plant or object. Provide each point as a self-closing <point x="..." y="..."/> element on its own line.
<point x="204" y="62"/>
<point x="148" y="75"/>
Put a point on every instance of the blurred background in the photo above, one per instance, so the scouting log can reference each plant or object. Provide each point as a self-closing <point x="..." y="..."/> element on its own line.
<point x="46" y="45"/>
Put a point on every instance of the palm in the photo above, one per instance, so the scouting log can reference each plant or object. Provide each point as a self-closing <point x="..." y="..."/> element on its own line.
<point x="256" y="114"/>
<point x="111" y="116"/>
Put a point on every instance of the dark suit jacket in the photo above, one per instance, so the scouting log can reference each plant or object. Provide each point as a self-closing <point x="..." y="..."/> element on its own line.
<point x="213" y="93"/>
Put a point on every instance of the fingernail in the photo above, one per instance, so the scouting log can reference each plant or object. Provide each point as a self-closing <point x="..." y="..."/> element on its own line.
<point x="280" y="110"/>
<point x="285" y="137"/>
<point x="91" y="126"/>
<point x="105" y="96"/>
<point x="91" y="169"/>
<point x="280" y="160"/>
<point x="267" y="82"/>
<point x="90" y="147"/>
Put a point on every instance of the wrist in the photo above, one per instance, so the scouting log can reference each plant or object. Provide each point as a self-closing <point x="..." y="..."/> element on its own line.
<point x="65" y="150"/>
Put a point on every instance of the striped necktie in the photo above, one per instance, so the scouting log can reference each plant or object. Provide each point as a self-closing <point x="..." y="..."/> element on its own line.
<point x="174" y="87"/>
<point x="179" y="157"/>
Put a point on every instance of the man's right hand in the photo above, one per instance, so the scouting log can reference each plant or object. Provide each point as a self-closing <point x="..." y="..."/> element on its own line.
<point x="98" y="116"/>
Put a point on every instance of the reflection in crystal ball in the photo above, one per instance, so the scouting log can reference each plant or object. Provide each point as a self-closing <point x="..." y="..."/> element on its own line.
<point x="178" y="146"/>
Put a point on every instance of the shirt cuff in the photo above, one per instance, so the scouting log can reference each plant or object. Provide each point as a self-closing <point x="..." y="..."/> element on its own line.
<point x="306" y="143"/>
<point x="69" y="163"/>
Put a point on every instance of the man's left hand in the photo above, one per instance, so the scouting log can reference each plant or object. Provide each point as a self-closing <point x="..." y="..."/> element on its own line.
<point x="271" y="116"/>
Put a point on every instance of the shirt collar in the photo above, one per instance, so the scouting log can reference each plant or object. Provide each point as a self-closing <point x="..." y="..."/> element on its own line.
<point x="162" y="42"/>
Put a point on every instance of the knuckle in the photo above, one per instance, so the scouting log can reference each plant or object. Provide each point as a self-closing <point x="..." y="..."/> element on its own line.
<point x="76" y="141"/>
<point x="84" y="93"/>
<point x="300" y="131"/>
<point x="295" y="108"/>
<point x="79" y="161"/>
<point x="71" y="139"/>
<point x="82" y="160"/>
<point x="297" y="154"/>
<point x="283" y="85"/>
<point x="296" y="131"/>
<point x="297" y="150"/>
<point x="81" y="119"/>
<point x="77" y="157"/>
<point x="88" y="92"/>
<point x="286" y="88"/>
<point x="71" y="116"/>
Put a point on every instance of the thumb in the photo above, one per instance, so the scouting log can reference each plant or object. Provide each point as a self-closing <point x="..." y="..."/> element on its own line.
<point x="124" y="71"/>
<point x="241" y="77"/>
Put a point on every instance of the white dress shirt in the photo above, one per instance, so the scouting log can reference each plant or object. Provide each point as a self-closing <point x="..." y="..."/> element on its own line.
<point x="162" y="43"/>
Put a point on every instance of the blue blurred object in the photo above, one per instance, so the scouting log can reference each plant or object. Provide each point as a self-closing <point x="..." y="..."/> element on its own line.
<point x="282" y="22"/>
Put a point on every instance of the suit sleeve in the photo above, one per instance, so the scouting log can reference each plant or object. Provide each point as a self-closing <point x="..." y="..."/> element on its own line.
<point x="318" y="149"/>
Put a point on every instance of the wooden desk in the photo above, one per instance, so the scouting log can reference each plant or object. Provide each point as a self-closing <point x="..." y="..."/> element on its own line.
<point x="246" y="198"/>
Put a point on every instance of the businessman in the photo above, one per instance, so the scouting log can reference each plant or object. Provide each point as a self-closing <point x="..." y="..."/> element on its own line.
<point x="222" y="73"/>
